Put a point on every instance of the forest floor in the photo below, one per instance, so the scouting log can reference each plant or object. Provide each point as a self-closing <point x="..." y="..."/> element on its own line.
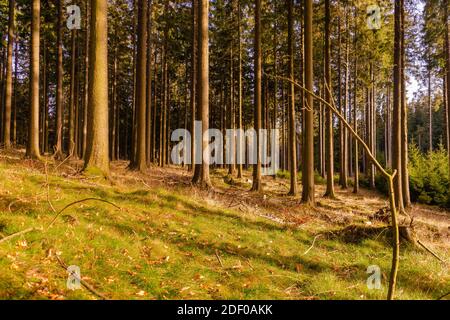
<point x="161" y="238"/>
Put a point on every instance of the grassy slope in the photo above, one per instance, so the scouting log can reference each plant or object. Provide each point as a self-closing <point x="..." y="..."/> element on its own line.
<point x="162" y="244"/>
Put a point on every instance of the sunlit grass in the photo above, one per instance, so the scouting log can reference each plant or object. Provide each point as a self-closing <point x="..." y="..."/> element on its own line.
<point x="170" y="244"/>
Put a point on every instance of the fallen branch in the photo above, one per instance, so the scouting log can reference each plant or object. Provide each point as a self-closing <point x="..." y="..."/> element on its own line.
<point x="48" y="188"/>
<point x="218" y="258"/>
<point x="77" y="202"/>
<point x="312" y="246"/>
<point x="445" y="295"/>
<point x="431" y="251"/>
<point x="331" y="105"/>
<point x="84" y="283"/>
<point x="14" y="235"/>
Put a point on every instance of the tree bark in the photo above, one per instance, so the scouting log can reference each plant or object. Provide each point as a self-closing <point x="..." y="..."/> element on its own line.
<point x="396" y="134"/>
<point x="150" y="123"/>
<point x="59" y="86"/>
<point x="257" y="184"/>
<point x="193" y="99"/>
<point x="203" y="87"/>
<point x="308" y="196"/>
<point x="329" y="152"/>
<point x="447" y="59"/>
<point x="140" y="160"/>
<point x="291" y="113"/>
<point x="404" y="120"/>
<point x="97" y="151"/>
<point x="33" y="133"/>
<point x="240" y="96"/>
<point x="72" y="148"/>
<point x="9" y="82"/>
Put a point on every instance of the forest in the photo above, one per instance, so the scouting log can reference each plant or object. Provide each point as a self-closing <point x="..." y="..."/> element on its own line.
<point x="224" y="149"/>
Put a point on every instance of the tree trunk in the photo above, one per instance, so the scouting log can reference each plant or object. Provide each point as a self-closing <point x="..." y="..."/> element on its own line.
<point x="355" y="121"/>
<point x="345" y="147"/>
<point x="404" y="120"/>
<point x="193" y="99"/>
<point x="430" y="113"/>
<point x="308" y="196"/>
<point x="86" y="80"/>
<point x="59" y="86"/>
<point x="329" y="152"/>
<point x="149" y="84"/>
<point x="33" y="133"/>
<point x="9" y="82"/>
<point x="44" y="122"/>
<point x="447" y="58"/>
<point x="396" y="132"/>
<point x="291" y="113"/>
<point x="257" y="184"/>
<point x="72" y="149"/>
<point x="97" y="151"/>
<point x="203" y="87"/>
<point x="140" y="160"/>
<point x="240" y="97"/>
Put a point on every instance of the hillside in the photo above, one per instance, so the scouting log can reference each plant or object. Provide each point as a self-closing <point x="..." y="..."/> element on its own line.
<point x="157" y="237"/>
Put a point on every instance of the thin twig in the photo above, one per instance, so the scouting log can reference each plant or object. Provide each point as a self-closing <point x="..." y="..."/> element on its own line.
<point x="431" y="251"/>
<point x="445" y="295"/>
<point x="77" y="202"/>
<point x="17" y="234"/>
<point x="218" y="258"/>
<point x="84" y="283"/>
<point x="48" y="188"/>
<point x="312" y="246"/>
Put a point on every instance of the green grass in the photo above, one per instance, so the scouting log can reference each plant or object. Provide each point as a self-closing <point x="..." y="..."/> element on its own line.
<point x="162" y="244"/>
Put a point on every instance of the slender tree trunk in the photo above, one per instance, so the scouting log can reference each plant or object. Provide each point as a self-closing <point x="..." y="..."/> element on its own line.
<point x="447" y="59"/>
<point x="355" y="121"/>
<point x="86" y="80"/>
<point x="339" y="99"/>
<point x="44" y="122"/>
<point x="257" y="184"/>
<point x="72" y="151"/>
<point x="388" y="129"/>
<point x="404" y="120"/>
<point x="196" y="168"/>
<point x="59" y="86"/>
<point x="396" y="132"/>
<point x="149" y="84"/>
<point x="372" y="125"/>
<point x="133" y="145"/>
<point x="140" y="160"/>
<point x="308" y="196"/>
<point x="203" y="86"/>
<point x="114" y="120"/>
<point x="97" y="151"/>
<point x="430" y="112"/>
<point x="231" y="113"/>
<point x="329" y="152"/>
<point x="240" y="97"/>
<point x="155" y="106"/>
<point x="165" y="92"/>
<point x="9" y="82"/>
<point x="346" y="105"/>
<point x="14" y="104"/>
<point x="33" y="134"/>
<point x="291" y="113"/>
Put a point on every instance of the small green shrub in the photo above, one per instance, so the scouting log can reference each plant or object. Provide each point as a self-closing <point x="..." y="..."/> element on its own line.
<point x="428" y="177"/>
<point x="429" y="180"/>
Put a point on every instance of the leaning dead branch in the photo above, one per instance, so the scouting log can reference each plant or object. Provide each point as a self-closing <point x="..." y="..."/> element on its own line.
<point x="14" y="235"/>
<point x="84" y="283"/>
<point x="78" y="202"/>
<point x="389" y="177"/>
<point x="431" y="251"/>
